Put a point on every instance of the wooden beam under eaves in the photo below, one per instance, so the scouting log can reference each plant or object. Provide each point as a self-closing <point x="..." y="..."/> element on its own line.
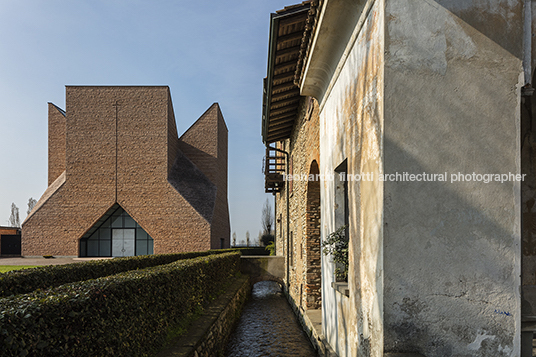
<point x="287" y="80"/>
<point x="284" y="86"/>
<point x="284" y="75"/>
<point x="279" y="122"/>
<point x="280" y="126"/>
<point x="282" y="117"/>
<point x="286" y="101"/>
<point x="287" y="51"/>
<point x="294" y="20"/>
<point x="280" y="131"/>
<point x="290" y="37"/>
<point x="283" y="109"/>
<point x="280" y="136"/>
<point x="289" y="111"/>
<point x="285" y="66"/>
<point x="284" y="95"/>
<point x="275" y="138"/>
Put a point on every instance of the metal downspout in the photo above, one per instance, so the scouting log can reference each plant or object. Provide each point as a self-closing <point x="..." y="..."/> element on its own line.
<point x="527" y="89"/>
<point x="275" y="225"/>
<point x="287" y="188"/>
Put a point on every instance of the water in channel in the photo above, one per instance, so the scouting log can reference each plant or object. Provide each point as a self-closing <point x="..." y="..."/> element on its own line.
<point x="268" y="327"/>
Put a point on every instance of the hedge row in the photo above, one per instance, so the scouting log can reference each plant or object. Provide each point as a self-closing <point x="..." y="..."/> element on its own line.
<point x="253" y="251"/>
<point x="27" y="280"/>
<point x="127" y="314"/>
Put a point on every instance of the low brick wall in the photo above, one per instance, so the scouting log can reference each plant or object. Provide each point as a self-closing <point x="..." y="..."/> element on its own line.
<point x="208" y="335"/>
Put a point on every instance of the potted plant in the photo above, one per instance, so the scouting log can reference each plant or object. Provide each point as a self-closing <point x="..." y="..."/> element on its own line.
<point x="336" y="245"/>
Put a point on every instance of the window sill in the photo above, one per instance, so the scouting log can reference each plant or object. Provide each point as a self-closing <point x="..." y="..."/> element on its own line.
<point x="341" y="287"/>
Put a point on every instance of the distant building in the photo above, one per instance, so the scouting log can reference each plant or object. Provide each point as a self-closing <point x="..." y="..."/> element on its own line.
<point x="380" y="98"/>
<point x="121" y="181"/>
<point x="9" y="241"/>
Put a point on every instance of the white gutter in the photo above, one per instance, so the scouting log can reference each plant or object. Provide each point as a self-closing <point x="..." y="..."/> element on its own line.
<point x="338" y="27"/>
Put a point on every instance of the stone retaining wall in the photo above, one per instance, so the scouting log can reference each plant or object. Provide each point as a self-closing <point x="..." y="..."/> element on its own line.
<point x="313" y="329"/>
<point x="208" y="335"/>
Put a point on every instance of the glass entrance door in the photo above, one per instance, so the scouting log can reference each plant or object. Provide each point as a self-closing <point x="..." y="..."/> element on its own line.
<point x="123" y="242"/>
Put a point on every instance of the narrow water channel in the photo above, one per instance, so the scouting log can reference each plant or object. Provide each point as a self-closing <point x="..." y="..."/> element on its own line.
<point x="268" y="327"/>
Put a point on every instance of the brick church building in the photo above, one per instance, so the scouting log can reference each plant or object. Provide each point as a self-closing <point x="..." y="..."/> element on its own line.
<point x="121" y="182"/>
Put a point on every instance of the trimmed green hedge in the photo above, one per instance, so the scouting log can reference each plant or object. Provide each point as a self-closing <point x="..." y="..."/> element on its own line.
<point x="28" y="280"/>
<point x="127" y="314"/>
<point x="253" y="251"/>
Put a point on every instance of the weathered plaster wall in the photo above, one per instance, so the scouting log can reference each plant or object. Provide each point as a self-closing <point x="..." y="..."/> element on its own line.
<point x="452" y="250"/>
<point x="351" y="128"/>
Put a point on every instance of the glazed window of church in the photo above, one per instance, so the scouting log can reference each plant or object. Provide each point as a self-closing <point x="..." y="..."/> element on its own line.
<point x="116" y="234"/>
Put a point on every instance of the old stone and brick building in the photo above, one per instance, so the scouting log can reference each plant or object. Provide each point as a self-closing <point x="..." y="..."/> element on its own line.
<point x="121" y="181"/>
<point x="303" y="250"/>
<point x="293" y="140"/>
<point x="414" y="99"/>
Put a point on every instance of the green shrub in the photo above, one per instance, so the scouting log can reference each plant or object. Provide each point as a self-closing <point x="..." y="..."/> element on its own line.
<point x="28" y="280"/>
<point x="271" y="248"/>
<point x="127" y="314"/>
<point x="266" y="238"/>
<point x="336" y="245"/>
<point x="248" y="251"/>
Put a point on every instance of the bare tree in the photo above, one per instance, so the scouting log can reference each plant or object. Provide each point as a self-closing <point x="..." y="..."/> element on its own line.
<point x="31" y="204"/>
<point x="234" y="239"/>
<point x="267" y="219"/>
<point x="14" y="220"/>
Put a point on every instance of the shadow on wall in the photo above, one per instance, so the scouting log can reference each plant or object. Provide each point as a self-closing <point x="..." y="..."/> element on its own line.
<point x="451" y="249"/>
<point x="449" y="267"/>
<point x="478" y="14"/>
<point x="193" y="185"/>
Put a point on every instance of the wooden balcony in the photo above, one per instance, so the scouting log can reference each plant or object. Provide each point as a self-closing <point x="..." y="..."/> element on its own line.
<point x="274" y="170"/>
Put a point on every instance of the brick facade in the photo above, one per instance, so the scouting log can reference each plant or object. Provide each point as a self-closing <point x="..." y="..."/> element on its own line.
<point x="210" y="156"/>
<point x="120" y="145"/>
<point x="304" y="199"/>
<point x="7" y="231"/>
<point x="56" y="142"/>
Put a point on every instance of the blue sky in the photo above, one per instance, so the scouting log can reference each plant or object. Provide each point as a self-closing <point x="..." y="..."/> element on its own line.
<point x="205" y="51"/>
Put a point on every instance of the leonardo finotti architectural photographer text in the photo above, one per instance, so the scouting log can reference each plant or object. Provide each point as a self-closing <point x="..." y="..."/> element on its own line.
<point x="410" y="177"/>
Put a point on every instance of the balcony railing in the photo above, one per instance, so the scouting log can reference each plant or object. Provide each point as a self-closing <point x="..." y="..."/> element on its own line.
<point x="274" y="170"/>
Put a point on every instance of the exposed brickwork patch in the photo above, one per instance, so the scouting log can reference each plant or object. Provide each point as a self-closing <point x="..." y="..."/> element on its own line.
<point x="304" y="199"/>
